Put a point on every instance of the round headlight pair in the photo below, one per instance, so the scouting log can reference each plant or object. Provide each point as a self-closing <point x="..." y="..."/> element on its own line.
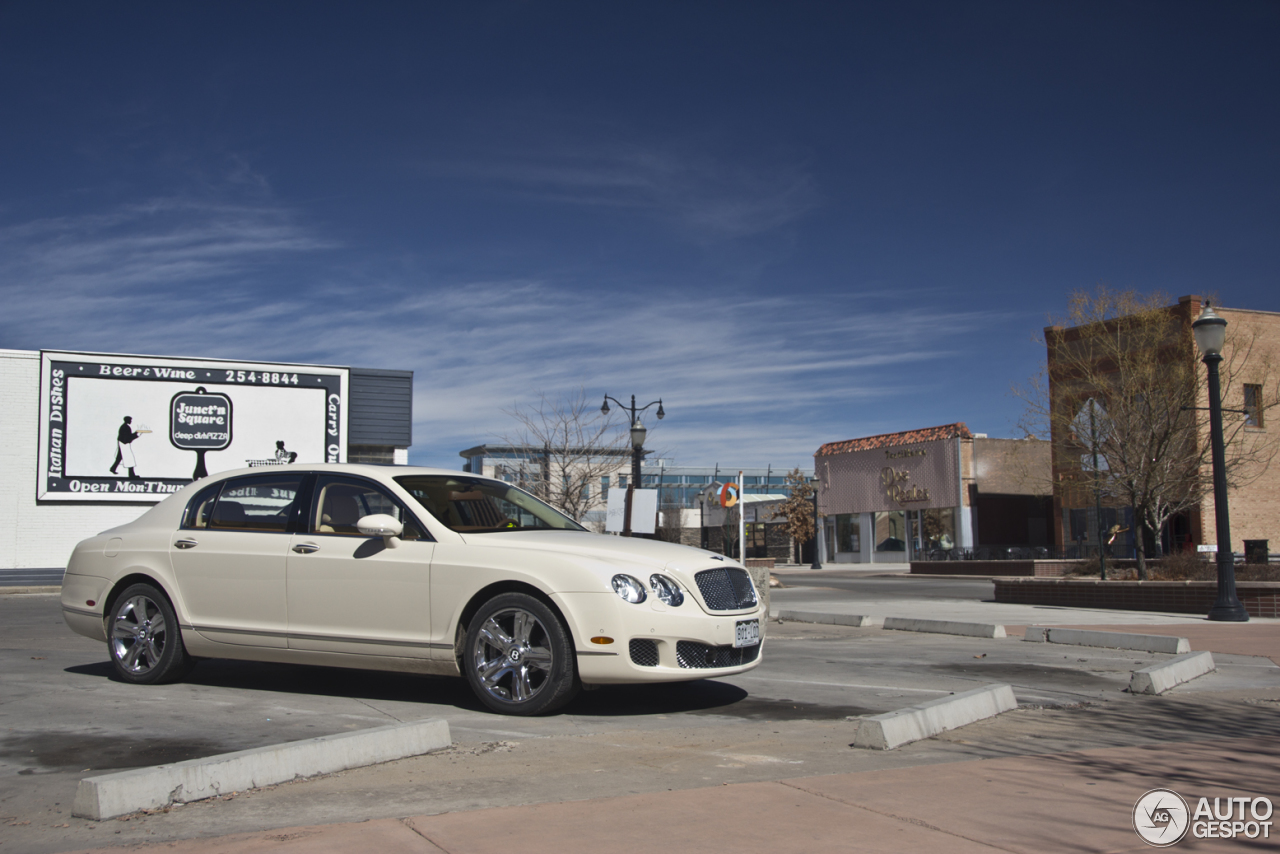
<point x="631" y="590"/>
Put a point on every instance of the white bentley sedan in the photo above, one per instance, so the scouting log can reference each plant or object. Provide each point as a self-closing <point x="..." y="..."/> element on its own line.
<point x="406" y="569"/>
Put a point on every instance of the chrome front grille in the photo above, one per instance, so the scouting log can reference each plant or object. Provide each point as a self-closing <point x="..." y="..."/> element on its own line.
<point x="726" y="589"/>
<point x="699" y="655"/>
<point x="644" y="652"/>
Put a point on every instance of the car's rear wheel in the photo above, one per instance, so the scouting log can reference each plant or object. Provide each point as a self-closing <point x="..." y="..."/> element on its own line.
<point x="143" y="637"/>
<point x="518" y="657"/>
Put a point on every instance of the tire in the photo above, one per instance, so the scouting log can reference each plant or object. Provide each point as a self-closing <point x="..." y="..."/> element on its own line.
<point x="143" y="637"/>
<point x="518" y="657"/>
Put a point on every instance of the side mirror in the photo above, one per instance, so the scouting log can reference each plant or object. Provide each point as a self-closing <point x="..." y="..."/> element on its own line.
<point x="381" y="525"/>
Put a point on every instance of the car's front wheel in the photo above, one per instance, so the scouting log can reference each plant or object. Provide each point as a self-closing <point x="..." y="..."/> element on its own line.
<point x="144" y="639"/>
<point x="518" y="657"/>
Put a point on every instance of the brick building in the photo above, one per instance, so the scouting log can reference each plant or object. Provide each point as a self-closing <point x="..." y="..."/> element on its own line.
<point x="1250" y="372"/>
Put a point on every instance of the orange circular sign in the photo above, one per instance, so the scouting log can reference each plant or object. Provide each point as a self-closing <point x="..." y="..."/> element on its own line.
<point x="729" y="495"/>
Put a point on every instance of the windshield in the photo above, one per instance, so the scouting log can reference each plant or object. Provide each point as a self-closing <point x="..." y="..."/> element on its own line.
<point x="475" y="505"/>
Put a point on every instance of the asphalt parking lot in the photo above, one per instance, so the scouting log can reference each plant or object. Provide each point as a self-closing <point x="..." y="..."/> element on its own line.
<point x="63" y="717"/>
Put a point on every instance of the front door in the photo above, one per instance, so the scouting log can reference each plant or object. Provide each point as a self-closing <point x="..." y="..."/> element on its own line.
<point x="349" y="593"/>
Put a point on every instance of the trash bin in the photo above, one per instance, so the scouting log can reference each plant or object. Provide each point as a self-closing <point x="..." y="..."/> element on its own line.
<point x="1255" y="551"/>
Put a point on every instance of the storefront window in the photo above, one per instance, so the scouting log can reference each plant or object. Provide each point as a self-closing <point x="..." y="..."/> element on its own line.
<point x="939" y="528"/>
<point x="848" y="533"/>
<point x="891" y="531"/>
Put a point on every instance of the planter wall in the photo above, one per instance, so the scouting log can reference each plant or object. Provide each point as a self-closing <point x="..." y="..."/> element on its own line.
<point x="1260" y="598"/>
<point x="1025" y="568"/>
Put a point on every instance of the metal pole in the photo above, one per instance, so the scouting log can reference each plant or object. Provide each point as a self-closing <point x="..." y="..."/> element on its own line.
<point x="817" y="555"/>
<point x="1097" y="491"/>
<point x="1227" y="608"/>
<point x="635" y="476"/>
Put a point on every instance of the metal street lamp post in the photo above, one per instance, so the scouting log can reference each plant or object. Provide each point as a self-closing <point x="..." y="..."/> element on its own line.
<point x="638" y="433"/>
<point x="1210" y="332"/>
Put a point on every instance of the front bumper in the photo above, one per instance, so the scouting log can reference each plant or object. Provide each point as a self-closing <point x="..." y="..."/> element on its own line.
<point x="687" y="642"/>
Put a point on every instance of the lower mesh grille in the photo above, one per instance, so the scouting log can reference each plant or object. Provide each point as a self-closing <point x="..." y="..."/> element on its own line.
<point x="644" y="652"/>
<point x="699" y="655"/>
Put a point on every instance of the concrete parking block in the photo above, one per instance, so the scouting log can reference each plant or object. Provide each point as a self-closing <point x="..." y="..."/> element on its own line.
<point x="110" y="795"/>
<point x="945" y="627"/>
<point x="859" y="620"/>
<point x="1109" y="640"/>
<point x="1159" y="678"/>
<point x="885" y="732"/>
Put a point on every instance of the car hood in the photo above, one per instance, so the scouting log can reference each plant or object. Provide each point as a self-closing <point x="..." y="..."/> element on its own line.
<point x="652" y="554"/>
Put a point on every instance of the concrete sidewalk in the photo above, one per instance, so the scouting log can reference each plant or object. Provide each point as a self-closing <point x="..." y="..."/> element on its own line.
<point x="1064" y="802"/>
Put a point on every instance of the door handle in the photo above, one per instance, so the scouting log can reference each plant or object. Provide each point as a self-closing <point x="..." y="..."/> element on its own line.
<point x="186" y="544"/>
<point x="306" y="548"/>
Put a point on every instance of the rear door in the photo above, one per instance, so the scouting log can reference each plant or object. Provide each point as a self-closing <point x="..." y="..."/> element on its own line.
<point x="229" y="559"/>
<point x="348" y="593"/>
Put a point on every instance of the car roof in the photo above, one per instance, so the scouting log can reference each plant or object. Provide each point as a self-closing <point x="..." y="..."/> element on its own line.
<point x="369" y="469"/>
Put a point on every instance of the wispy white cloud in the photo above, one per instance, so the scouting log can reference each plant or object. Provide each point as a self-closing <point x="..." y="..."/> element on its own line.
<point x="744" y="380"/>
<point x="695" y="191"/>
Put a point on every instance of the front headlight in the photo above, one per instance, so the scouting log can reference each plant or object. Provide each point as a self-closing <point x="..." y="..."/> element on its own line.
<point x="630" y="589"/>
<point x="668" y="591"/>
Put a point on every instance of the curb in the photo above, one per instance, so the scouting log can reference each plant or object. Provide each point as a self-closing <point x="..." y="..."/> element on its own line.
<point x="894" y="729"/>
<point x="945" y="627"/>
<point x="35" y="588"/>
<point x="831" y="619"/>
<point x="111" y="795"/>
<point x="1159" y="678"/>
<point x="1110" y="640"/>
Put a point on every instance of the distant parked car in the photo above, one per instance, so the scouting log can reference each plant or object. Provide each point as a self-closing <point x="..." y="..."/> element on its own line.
<point x="406" y="569"/>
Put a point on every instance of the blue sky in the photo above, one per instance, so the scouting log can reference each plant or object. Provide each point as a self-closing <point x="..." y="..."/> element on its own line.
<point x="793" y="222"/>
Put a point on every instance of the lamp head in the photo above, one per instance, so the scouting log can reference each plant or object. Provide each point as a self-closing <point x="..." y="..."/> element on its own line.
<point x="604" y="410"/>
<point x="1210" y="331"/>
<point x="637" y="435"/>
<point x="661" y="414"/>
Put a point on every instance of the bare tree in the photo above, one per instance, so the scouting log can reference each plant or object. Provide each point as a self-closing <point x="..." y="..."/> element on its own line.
<point x="797" y="510"/>
<point x="561" y="450"/>
<point x="1123" y="384"/>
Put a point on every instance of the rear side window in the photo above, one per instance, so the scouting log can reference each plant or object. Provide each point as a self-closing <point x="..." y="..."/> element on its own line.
<point x="201" y="507"/>
<point x="256" y="503"/>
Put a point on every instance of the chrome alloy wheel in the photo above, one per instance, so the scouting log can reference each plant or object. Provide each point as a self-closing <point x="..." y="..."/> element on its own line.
<point x="512" y="655"/>
<point x="138" y="634"/>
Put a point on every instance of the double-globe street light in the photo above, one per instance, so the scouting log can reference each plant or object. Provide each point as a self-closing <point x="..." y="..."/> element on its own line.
<point x="1210" y="332"/>
<point x="637" y="448"/>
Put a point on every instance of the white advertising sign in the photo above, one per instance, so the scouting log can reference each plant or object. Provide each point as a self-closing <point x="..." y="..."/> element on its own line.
<point x="644" y="510"/>
<point x="137" y="428"/>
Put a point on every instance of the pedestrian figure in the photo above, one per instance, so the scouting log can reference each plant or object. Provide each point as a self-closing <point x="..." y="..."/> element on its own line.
<point x="124" y="448"/>
<point x="283" y="456"/>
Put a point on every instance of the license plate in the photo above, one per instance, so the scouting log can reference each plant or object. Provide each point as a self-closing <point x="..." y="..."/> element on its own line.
<point x="747" y="633"/>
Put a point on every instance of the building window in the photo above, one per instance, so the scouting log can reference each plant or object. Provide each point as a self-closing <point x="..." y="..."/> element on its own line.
<point x="848" y="533"/>
<point x="604" y="485"/>
<point x="622" y="481"/>
<point x="891" y="531"/>
<point x="1252" y="405"/>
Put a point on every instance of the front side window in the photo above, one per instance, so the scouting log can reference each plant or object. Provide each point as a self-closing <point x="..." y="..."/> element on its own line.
<point x="340" y="503"/>
<point x="475" y="505"/>
<point x="256" y="503"/>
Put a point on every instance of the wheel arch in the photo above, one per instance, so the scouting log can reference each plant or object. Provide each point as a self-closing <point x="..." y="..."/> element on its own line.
<point x="125" y="582"/>
<point x="484" y="594"/>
